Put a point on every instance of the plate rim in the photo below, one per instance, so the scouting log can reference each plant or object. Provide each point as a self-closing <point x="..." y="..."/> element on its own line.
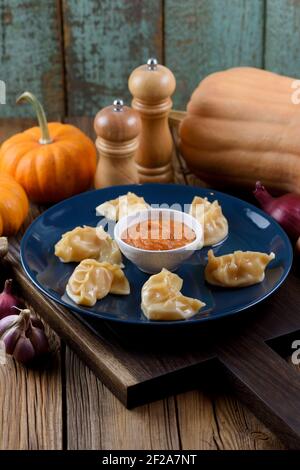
<point x="196" y="322"/>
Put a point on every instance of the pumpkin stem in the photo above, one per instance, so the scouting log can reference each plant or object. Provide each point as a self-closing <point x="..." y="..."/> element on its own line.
<point x="3" y="246"/>
<point x="40" y="114"/>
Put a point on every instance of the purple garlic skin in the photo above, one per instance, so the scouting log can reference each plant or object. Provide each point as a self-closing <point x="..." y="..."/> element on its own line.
<point x="24" y="336"/>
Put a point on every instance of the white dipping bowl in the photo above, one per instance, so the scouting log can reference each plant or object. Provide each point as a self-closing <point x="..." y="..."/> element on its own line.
<point x="152" y="261"/>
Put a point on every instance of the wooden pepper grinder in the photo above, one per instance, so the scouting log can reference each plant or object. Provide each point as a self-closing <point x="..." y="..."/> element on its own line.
<point x="151" y="86"/>
<point x="118" y="128"/>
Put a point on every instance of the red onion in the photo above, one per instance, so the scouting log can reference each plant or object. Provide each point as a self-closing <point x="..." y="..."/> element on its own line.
<point x="285" y="209"/>
<point x="8" y="300"/>
<point x="23" y="336"/>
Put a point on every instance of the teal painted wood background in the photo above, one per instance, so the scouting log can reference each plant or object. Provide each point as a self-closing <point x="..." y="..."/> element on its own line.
<point x="76" y="55"/>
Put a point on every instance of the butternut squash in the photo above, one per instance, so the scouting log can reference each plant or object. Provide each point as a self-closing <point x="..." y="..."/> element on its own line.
<point x="243" y="125"/>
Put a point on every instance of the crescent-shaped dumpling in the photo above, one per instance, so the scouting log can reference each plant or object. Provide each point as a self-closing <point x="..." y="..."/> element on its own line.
<point x="91" y="281"/>
<point x="128" y="204"/>
<point x="210" y="215"/>
<point x="162" y="299"/>
<point x="87" y="243"/>
<point x="238" y="269"/>
<point x="120" y="284"/>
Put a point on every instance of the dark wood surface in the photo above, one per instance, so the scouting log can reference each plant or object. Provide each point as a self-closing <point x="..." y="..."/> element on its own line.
<point x="69" y="393"/>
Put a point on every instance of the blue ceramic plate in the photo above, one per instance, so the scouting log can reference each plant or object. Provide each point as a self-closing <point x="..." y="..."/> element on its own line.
<point x="249" y="229"/>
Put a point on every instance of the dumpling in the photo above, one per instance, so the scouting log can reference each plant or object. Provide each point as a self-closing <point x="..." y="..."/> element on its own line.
<point x="128" y="204"/>
<point x="238" y="269"/>
<point x="78" y="244"/>
<point x="162" y="299"/>
<point x="109" y="209"/>
<point x="109" y="250"/>
<point x="210" y="214"/>
<point x="131" y="204"/>
<point x="87" y="243"/>
<point x="120" y="284"/>
<point x="91" y="281"/>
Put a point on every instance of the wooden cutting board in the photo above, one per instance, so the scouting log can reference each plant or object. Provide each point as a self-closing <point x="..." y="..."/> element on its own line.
<point x="245" y="351"/>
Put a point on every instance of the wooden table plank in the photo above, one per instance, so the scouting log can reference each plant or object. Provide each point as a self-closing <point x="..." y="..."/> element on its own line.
<point x="97" y="420"/>
<point x="31" y="403"/>
<point x="211" y="421"/>
<point x="193" y="420"/>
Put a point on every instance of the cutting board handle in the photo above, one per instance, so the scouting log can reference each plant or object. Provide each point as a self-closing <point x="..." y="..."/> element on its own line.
<point x="267" y="382"/>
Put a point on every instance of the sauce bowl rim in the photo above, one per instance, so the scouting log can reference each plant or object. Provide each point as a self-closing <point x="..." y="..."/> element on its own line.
<point x="198" y="229"/>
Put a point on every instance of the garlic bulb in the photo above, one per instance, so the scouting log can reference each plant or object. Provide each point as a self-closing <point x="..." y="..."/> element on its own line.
<point x="24" y="336"/>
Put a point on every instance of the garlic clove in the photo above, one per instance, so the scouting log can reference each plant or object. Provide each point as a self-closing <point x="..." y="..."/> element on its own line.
<point x="7" y="322"/>
<point x="10" y="339"/>
<point x="24" y="351"/>
<point x="38" y="340"/>
<point x="35" y="321"/>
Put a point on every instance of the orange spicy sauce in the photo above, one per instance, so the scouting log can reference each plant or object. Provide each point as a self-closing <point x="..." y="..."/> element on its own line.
<point x="161" y="234"/>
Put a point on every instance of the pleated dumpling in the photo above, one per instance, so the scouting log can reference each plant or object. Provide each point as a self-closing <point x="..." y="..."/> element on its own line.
<point x="120" y="284"/>
<point x="87" y="243"/>
<point x="162" y="299"/>
<point x="238" y="269"/>
<point x="211" y="216"/>
<point x="91" y="281"/>
<point x="127" y="204"/>
<point x="109" y="250"/>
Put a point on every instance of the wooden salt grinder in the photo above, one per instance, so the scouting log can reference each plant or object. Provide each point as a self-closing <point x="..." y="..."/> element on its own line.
<point x="151" y="86"/>
<point x="118" y="128"/>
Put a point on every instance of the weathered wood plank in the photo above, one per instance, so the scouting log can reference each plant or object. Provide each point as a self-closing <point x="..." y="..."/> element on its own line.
<point x="202" y="36"/>
<point x="9" y="127"/>
<point x="282" y="46"/>
<point x="97" y="420"/>
<point x="210" y="421"/>
<point x="193" y="420"/>
<point x="31" y="403"/>
<point x="236" y="428"/>
<point x="30" y="55"/>
<point x="104" y="42"/>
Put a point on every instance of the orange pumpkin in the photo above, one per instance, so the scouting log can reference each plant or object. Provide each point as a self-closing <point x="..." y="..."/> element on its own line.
<point x="242" y="126"/>
<point x="13" y="205"/>
<point x="51" y="162"/>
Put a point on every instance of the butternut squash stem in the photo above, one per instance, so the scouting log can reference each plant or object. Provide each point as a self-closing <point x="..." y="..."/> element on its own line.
<point x="40" y="114"/>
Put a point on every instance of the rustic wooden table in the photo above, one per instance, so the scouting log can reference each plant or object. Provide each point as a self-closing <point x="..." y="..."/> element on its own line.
<point x="67" y="407"/>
